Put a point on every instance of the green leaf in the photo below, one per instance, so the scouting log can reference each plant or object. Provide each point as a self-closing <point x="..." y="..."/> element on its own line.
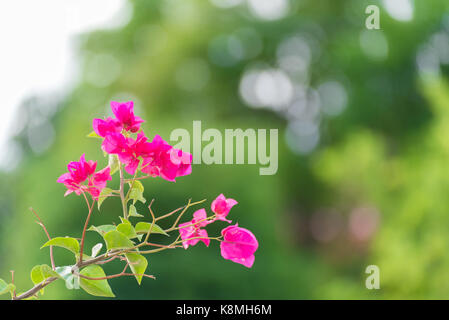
<point x="138" y="264"/>
<point x="96" y="249"/>
<point x="6" y="288"/>
<point x="64" y="242"/>
<point x="41" y="272"/>
<point x="104" y="194"/>
<point x="99" y="288"/>
<point x="123" y="220"/>
<point x="48" y="272"/>
<point x="117" y="240"/>
<point x="136" y="193"/>
<point x="36" y="275"/>
<point x="127" y="230"/>
<point x="102" y="229"/>
<point x="133" y="212"/>
<point x="137" y="185"/>
<point x="114" y="163"/>
<point x="93" y="134"/>
<point x="143" y="227"/>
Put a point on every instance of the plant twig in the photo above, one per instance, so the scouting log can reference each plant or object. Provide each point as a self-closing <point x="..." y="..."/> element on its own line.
<point x="85" y="226"/>
<point x="48" y="236"/>
<point x="152" y="223"/>
<point x="189" y="204"/>
<point x="130" y="188"/>
<point x="138" y="178"/>
<point x="35" y="289"/>
<point x="12" y="281"/>
<point x="122" y="193"/>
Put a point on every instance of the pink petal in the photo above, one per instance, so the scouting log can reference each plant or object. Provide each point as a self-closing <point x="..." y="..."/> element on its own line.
<point x="131" y="167"/>
<point x="247" y="262"/>
<point x="203" y="233"/>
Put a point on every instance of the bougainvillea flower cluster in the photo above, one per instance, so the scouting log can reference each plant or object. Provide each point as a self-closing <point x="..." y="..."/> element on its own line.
<point x="191" y="231"/>
<point x="166" y="161"/>
<point x="238" y="245"/>
<point x="221" y="207"/>
<point x="157" y="158"/>
<point x="82" y="171"/>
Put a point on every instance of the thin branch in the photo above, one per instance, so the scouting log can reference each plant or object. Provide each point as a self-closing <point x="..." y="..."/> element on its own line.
<point x="48" y="236"/>
<point x="35" y="289"/>
<point x="138" y="178"/>
<point x="196" y="224"/>
<point x="182" y="213"/>
<point x="170" y="213"/>
<point x="168" y="246"/>
<point x="108" y="260"/>
<point x="152" y="223"/>
<point x="85" y="226"/>
<point x="122" y="193"/>
<point x="108" y="195"/>
<point x="12" y="281"/>
<point x="178" y="242"/>
<point x="130" y="188"/>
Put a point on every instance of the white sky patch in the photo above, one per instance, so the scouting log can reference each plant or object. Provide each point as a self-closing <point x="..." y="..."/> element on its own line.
<point x="37" y="55"/>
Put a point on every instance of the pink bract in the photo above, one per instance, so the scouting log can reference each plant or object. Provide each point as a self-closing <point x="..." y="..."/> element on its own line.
<point x="124" y="112"/>
<point x="238" y="245"/>
<point x="221" y="207"/>
<point x="81" y="171"/>
<point x="165" y="161"/>
<point x="192" y="229"/>
<point x="105" y="127"/>
<point x="129" y="150"/>
<point x="133" y="151"/>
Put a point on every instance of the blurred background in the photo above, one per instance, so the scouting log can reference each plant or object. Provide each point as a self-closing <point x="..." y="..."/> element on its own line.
<point x="363" y="119"/>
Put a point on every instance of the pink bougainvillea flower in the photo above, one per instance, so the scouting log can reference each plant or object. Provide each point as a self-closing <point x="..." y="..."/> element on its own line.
<point x="221" y="207"/>
<point x="133" y="151"/>
<point x="165" y="161"/>
<point x="183" y="160"/>
<point x="124" y="112"/>
<point x="238" y="245"/>
<point x="200" y="218"/>
<point x="105" y="127"/>
<point x="192" y="229"/>
<point x="129" y="150"/>
<point x="81" y="171"/>
<point x="114" y="143"/>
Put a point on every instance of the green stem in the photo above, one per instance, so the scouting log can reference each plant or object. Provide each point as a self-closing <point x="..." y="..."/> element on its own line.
<point x="122" y="193"/>
<point x="85" y="226"/>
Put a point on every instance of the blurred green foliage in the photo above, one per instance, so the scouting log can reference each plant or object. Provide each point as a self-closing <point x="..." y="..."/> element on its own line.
<point x="374" y="190"/>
